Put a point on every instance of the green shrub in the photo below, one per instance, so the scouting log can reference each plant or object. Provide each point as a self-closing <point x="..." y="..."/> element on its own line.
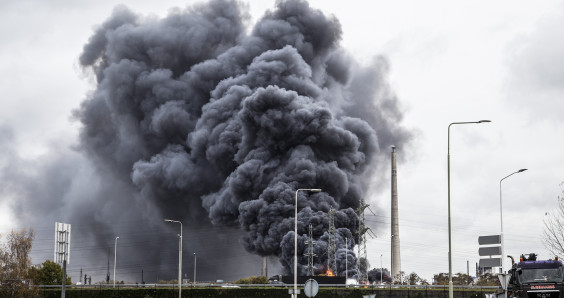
<point x="253" y="280"/>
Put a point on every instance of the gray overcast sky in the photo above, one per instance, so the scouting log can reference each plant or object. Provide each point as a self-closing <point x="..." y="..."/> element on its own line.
<point x="449" y="61"/>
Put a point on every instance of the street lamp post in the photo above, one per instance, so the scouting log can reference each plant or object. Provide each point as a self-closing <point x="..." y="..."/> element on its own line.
<point x="381" y="269"/>
<point x="179" y="258"/>
<point x="115" y="259"/>
<point x="450" y="289"/>
<point x="501" y="216"/>
<point x="194" y="268"/>
<point x="346" y="259"/>
<point x="294" y="294"/>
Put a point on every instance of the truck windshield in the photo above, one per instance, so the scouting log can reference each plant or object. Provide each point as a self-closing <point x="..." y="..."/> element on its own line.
<point x="527" y="276"/>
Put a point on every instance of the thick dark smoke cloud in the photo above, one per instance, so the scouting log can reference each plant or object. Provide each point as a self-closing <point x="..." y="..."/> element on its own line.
<point x="211" y="124"/>
<point x="198" y="118"/>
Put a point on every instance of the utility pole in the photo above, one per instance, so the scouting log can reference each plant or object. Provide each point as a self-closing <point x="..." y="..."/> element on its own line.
<point x="63" y="291"/>
<point x="362" y="255"/>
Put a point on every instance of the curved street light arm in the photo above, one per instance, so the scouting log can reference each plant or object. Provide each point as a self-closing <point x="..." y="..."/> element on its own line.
<point x="179" y="257"/>
<point x="501" y="215"/>
<point x="450" y="288"/>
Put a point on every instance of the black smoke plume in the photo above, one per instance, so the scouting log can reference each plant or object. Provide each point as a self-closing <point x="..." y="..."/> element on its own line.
<point x="207" y="122"/>
<point x="379" y="275"/>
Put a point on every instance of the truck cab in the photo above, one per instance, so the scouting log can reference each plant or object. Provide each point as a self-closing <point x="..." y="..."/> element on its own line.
<point x="536" y="279"/>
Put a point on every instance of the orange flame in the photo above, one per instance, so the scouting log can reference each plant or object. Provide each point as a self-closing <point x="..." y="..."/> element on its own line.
<point x="330" y="273"/>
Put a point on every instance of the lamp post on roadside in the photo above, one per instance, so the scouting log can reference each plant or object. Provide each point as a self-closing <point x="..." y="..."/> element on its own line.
<point x="194" y="268"/>
<point x="179" y="258"/>
<point x="115" y="259"/>
<point x="501" y="215"/>
<point x="450" y="289"/>
<point x="381" y="269"/>
<point x="346" y="260"/>
<point x="294" y="294"/>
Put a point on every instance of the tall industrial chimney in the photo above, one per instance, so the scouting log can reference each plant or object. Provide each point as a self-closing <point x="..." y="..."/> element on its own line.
<point x="396" y="260"/>
<point x="264" y="267"/>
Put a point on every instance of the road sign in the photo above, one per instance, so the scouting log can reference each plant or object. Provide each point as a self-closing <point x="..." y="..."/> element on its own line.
<point x="489" y="251"/>
<point x="492" y="239"/>
<point x="504" y="279"/>
<point x="311" y="288"/>
<point x="493" y="262"/>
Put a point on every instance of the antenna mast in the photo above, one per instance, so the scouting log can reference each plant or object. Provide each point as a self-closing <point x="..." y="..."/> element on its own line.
<point x="310" y="253"/>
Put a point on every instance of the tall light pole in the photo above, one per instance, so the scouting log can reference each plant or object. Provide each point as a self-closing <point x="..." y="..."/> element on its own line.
<point x="115" y="259"/>
<point x="346" y="259"/>
<point x="501" y="214"/>
<point x="179" y="258"/>
<point x="294" y="294"/>
<point x="381" y="269"/>
<point x="450" y="289"/>
<point x="194" y="268"/>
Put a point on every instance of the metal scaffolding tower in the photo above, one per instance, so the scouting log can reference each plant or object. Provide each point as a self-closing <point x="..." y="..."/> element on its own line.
<point x="332" y="245"/>
<point x="310" y="253"/>
<point x="362" y="255"/>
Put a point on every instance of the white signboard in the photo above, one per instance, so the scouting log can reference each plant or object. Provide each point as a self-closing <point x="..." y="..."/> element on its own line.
<point x="487" y="240"/>
<point x="62" y="242"/>
<point x="488" y="263"/>
<point x="489" y="251"/>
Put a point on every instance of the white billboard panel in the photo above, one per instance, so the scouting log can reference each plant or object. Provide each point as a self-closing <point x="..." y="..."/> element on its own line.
<point x="62" y="242"/>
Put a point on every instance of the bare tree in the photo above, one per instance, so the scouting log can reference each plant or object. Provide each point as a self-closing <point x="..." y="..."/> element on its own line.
<point x="553" y="236"/>
<point x="15" y="262"/>
<point x="459" y="279"/>
<point x="400" y="279"/>
<point x="462" y="279"/>
<point x="488" y="279"/>
<point x="440" y="279"/>
<point x="414" y="279"/>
